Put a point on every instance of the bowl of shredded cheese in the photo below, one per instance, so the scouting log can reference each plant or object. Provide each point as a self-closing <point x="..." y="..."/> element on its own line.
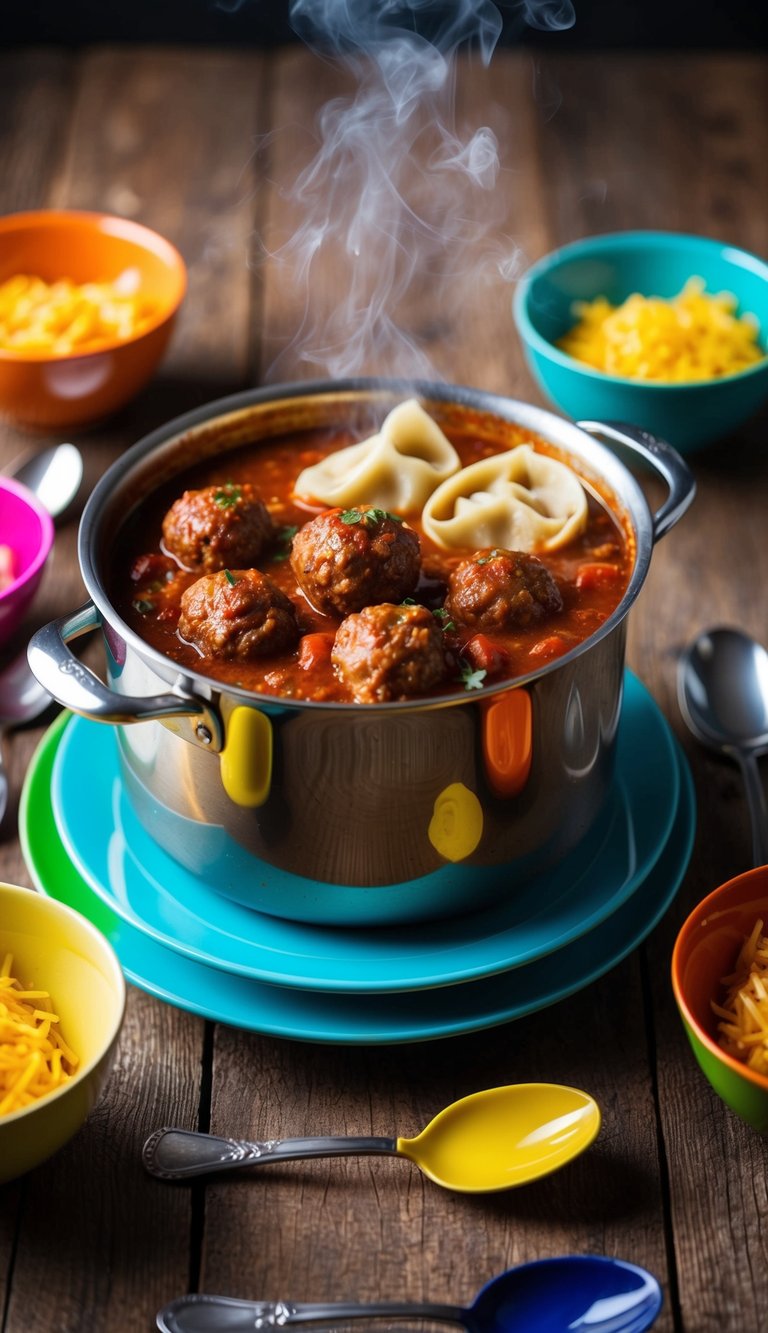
<point x="665" y="331"/>
<point x="88" y="303"/>
<point x="720" y="981"/>
<point x="62" y="999"/>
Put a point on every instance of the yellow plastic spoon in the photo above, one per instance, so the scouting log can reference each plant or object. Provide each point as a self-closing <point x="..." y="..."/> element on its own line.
<point x="491" y="1140"/>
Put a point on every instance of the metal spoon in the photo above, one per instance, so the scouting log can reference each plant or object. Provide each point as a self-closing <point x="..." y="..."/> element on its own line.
<point x="54" y="475"/>
<point x="722" y="688"/>
<point x="489" y="1141"/>
<point x="577" y="1292"/>
<point x="22" y="698"/>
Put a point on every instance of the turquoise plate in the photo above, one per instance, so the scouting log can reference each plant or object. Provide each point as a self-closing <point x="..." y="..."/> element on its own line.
<point x="144" y="885"/>
<point x="316" y="1016"/>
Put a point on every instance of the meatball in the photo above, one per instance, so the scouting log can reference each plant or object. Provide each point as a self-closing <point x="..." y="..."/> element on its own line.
<point x="218" y="527"/>
<point x="502" y="590"/>
<point x="346" y="559"/>
<point x="237" y="614"/>
<point x="389" y="652"/>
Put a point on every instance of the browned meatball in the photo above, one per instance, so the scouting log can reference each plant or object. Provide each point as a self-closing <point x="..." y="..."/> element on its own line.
<point x="389" y="652"/>
<point x="346" y="559"/>
<point x="237" y="614"/>
<point x="501" y="590"/>
<point x="218" y="527"/>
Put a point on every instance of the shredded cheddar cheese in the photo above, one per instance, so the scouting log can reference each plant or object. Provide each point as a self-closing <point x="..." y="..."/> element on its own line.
<point x="692" y="336"/>
<point x="743" y="1015"/>
<point x="62" y="317"/>
<point x="34" y="1058"/>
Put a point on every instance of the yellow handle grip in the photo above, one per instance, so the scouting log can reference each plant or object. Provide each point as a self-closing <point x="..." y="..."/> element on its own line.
<point x="246" y="760"/>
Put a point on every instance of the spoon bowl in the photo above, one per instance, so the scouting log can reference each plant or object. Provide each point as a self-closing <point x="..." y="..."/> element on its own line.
<point x="491" y="1140"/>
<point x="503" y="1137"/>
<point x="22" y="698"/>
<point x="561" y="1295"/>
<point x="722" y="688"/>
<point x="54" y="475"/>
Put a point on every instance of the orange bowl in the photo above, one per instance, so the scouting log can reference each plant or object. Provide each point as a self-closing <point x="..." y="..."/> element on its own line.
<point x="43" y="388"/>
<point x="705" y="951"/>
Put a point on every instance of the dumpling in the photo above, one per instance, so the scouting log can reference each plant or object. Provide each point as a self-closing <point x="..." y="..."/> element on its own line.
<point x="520" y="500"/>
<point x="397" y="469"/>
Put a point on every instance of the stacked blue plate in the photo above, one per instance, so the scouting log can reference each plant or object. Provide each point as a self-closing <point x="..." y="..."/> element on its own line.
<point x="182" y="942"/>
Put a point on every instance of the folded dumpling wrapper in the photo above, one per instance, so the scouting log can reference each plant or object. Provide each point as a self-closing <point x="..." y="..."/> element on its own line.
<point x="520" y="500"/>
<point x="396" y="469"/>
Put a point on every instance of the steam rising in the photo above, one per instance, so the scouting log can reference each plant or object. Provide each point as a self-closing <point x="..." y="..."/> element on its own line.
<point x="397" y="194"/>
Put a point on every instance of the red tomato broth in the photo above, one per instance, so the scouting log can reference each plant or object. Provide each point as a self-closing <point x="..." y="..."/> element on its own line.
<point x="148" y="583"/>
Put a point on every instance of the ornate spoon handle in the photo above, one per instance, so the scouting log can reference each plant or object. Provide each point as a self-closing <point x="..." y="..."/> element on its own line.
<point x="177" y="1154"/>
<point x="3" y="780"/>
<point x="215" y="1314"/>
<point x="756" y="801"/>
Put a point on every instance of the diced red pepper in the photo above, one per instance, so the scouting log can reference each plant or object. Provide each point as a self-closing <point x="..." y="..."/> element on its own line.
<point x="147" y="568"/>
<point x="553" y="646"/>
<point x="7" y="566"/>
<point x="315" y="650"/>
<point x="597" y="576"/>
<point x="484" y="655"/>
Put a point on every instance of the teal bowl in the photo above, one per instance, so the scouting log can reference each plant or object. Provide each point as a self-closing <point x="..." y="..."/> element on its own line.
<point x="655" y="263"/>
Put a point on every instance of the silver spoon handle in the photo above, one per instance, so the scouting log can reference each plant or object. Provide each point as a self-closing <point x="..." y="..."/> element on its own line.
<point x="215" y="1314"/>
<point x="758" y="812"/>
<point x="177" y="1154"/>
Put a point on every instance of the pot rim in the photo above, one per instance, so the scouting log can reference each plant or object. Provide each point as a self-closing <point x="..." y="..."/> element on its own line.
<point x="556" y="430"/>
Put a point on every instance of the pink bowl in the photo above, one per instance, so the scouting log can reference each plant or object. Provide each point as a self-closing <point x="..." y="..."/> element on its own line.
<point x="27" y="528"/>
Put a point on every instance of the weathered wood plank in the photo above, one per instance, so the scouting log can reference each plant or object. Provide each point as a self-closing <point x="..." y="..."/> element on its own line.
<point x="448" y="299"/>
<point x="113" y="1243"/>
<point x="377" y="1228"/>
<point x="110" y="1242"/>
<point x="172" y="148"/>
<point x="653" y="142"/>
<point x="37" y="88"/>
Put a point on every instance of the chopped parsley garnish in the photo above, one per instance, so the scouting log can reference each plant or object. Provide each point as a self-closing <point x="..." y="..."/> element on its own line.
<point x="471" y="679"/>
<point x="409" y="601"/>
<point x="283" y="538"/>
<point x="228" y="496"/>
<point x="444" y="618"/>
<point x="143" y="606"/>
<point x="229" y="576"/>
<point x="490" y="556"/>
<point x="369" y="516"/>
<point x="157" y="585"/>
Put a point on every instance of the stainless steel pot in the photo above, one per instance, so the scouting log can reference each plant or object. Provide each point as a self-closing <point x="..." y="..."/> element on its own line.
<point x="345" y="813"/>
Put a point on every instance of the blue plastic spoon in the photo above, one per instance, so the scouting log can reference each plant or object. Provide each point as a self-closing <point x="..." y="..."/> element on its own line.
<point x="574" y="1294"/>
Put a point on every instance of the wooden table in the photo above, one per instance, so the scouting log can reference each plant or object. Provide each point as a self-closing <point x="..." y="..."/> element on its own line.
<point x="176" y="138"/>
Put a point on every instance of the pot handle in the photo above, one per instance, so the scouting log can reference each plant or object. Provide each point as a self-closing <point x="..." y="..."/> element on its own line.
<point x="662" y="458"/>
<point x="76" y="687"/>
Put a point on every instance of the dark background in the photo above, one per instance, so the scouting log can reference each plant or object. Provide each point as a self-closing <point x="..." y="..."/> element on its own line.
<point x="600" y="24"/>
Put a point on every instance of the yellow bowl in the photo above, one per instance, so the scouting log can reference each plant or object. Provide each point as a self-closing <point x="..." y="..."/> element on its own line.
<point x="57" y="950"/>
<point x="40" y="388"/>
